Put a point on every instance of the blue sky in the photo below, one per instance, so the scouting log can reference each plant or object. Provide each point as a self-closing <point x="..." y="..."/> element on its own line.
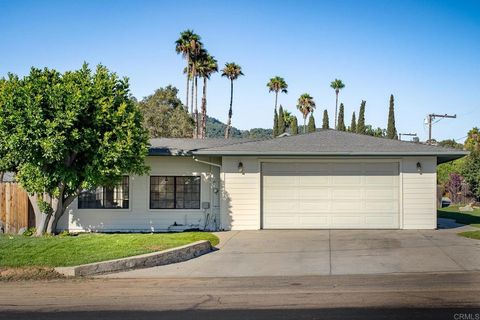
<point x="426" y="53"/>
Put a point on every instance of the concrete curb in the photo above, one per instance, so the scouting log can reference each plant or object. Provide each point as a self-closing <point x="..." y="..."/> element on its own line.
<point x="148" y="260"/>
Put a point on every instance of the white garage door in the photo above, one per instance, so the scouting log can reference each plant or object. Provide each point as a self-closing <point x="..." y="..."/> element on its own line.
<point x="340" y="194"/>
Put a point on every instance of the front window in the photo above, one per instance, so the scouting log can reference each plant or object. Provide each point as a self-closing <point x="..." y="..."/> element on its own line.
<point x="106" y="197"/>
<point x="169" y="192"/>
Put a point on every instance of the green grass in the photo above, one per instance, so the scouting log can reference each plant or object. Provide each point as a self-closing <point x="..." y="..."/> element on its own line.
<point x="470" y="234"/>
<point x="21" y="251"/>
<point x="470" y="218"/>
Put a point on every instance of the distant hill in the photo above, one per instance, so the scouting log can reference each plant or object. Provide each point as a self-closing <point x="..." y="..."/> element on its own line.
<point x="216" y="129"/>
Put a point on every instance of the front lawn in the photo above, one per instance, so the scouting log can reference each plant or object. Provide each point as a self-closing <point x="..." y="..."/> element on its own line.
<point x="470" y="234"/>
<point x="58" y="251"/>
<point x="470" y="218"/>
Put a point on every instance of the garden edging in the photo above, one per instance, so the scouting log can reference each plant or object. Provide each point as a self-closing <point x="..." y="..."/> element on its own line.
<point x="148" y="260"/>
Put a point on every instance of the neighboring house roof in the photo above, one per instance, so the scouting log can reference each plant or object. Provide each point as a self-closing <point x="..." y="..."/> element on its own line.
<point x="320" y="143"/>
<point x="8" y="177"/>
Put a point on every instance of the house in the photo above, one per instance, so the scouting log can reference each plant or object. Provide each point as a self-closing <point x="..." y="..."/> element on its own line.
<point x="327" y="179"/>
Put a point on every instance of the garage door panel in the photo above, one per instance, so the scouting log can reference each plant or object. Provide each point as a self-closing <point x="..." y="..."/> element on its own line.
<point x="330" y="195"/>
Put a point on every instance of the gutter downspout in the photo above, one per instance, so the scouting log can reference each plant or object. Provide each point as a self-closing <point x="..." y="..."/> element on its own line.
<point x="206" y="162"/>
<point x="211" y="186"/>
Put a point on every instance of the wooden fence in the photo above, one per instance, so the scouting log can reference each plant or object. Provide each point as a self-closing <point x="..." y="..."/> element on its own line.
<point x="16" y="211"/>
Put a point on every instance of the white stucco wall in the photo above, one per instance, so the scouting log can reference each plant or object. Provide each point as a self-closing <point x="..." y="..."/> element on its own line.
<point x="139" y="217"/>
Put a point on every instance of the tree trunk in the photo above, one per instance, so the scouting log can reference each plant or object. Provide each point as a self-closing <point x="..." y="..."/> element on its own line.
<point x="41" y="219"/>
<point x="276" y="98"/>
<point x="335" y="125"/>
<point x="304" y="124"/>
<point x="195" y="114"/>
<point x="229" y="123"/>
<point x="188" y="82"/>
<point x="204" y="110"/>
<point x="193" y="77"/>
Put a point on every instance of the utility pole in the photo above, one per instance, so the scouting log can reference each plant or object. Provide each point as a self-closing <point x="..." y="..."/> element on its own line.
<point x="432" y="117"/>
<point x="406" y="134"/>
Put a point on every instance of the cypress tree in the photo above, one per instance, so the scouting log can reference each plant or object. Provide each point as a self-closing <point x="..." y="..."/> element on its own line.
<point x="391" y="130"/>
<point x="275" y="124"/>
<point x="341" y="120"/>
<point x="281" y="121"/>
<point x="325" y="124"/>
<point x="361" y="119"/>
<point x="353" y="124"/>
<point x="311" y="124"/>
<point x="294" y="126"/>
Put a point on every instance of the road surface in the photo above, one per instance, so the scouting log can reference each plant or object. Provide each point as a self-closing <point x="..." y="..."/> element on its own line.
<point x="397" y="296"/>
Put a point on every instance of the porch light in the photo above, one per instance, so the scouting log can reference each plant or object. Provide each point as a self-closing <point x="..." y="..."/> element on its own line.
<point x="240" y="167"/>
<point x="419" y="167"/>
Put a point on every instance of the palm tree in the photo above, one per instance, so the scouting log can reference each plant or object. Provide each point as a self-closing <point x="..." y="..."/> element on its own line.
<point x="207" y="66"/>
<point x="187" y="45"/>
<point x="232" y="71"/>
<point x="277" y="84"/>
<point x="305" y="105"/>
<point x="337" y="85"/>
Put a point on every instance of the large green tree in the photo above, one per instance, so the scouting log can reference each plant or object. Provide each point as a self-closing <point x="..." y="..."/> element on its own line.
<point x="164" y="115"/>
<point x="361" y="119"/>
<point x="391" y="129"/>
<point x="294" y="126"/>
<point x="305" y="105"/>
<point x="353" y="123"/>
<point x="336" y="85"/>
<point x="282" y="126"/>
<point x="188" y="45"/>
<point x="341" y="118"/>
<point x="72" y="131"/>
<point x="325" y="123"/>
<point x="231" y="71"/>
<point x="277" y="84"/>
<point x="311" y="124"/>
<point x="275" y="124"/>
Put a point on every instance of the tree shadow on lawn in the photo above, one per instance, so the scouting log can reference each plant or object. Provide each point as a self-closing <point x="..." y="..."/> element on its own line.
<point x="465" y="218"/>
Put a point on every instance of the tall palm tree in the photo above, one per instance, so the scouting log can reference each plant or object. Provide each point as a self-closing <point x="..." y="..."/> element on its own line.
<point x="207" y="66"/>
<point x="277" y="84"/>
<point x="187" y="45"/>
<point x="337" y="85"/>
<point x="232" y="71"/>
<point x="305" y="105"/>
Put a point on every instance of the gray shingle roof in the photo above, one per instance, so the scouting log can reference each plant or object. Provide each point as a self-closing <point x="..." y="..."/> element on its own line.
<point x="8" y="177"/>
<point x="186" y="146"/>
<point x="323" y="142"/>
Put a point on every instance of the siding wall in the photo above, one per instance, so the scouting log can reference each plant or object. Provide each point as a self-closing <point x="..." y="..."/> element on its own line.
<point x="237" y="205"/>
<point x="419" y="193"/>
<point x="139" y="217"/>
<point x="240" y="209"/>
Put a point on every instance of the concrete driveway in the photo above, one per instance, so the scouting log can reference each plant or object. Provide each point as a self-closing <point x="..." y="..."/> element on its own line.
<point x="326" y="252"/>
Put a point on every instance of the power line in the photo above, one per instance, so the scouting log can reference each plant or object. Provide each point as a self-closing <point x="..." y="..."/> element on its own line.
<point x="432" y="117"/>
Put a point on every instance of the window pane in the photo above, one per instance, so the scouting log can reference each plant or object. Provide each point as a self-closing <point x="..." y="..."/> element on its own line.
<point x="106" y="197"/>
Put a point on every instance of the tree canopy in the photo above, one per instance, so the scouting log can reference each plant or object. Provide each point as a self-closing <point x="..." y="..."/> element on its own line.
<point x="165" y="116"/>
<point x="62" y="133"/>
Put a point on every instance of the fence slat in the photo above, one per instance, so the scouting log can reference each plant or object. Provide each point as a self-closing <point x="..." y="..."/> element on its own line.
<point x="14" y="207"/>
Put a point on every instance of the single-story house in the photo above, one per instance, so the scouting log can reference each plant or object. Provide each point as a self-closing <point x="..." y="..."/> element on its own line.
<point x="327" y="179"/>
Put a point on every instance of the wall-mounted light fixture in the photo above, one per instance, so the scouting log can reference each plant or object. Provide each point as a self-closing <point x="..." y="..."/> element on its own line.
<point x="419" y="167"/>
<point x="240" y="168"/>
